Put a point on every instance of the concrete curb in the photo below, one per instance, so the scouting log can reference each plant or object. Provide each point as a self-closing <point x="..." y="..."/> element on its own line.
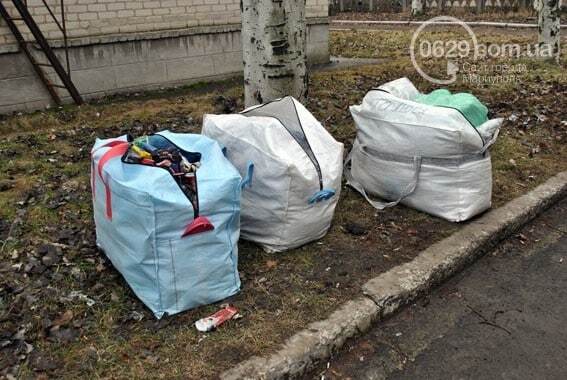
<point x="386" y="293"/>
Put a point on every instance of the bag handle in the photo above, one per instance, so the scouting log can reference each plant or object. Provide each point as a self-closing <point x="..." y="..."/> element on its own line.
<point x="107" y="145"/>
<point x="321" y="195"/>
<point x="116" y="150"/>
<point x="380" y="205"/>
<point x="247" y="181"/>
<point x="491" y="141"/>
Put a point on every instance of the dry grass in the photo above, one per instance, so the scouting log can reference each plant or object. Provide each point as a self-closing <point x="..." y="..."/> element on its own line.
<point x="525" y="15"/>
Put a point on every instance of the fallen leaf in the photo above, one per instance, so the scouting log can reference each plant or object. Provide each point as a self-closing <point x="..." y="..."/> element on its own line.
<point x="64" y="318"/>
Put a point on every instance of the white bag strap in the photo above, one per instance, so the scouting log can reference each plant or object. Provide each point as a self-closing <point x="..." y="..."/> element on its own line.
<point x="408" y="190"/>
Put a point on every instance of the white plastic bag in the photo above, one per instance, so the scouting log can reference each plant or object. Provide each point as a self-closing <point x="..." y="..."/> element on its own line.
<point x="297" y="171"/>
<point x="429" y="158"/>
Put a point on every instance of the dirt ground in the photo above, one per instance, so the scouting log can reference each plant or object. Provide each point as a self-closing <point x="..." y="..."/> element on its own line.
<point x="65" y="312"/>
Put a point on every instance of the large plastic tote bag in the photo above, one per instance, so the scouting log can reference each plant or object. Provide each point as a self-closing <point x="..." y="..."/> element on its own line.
<point x="426" y="157"/>
<point x="297" y="171"/>
<point x="142" y="218"/>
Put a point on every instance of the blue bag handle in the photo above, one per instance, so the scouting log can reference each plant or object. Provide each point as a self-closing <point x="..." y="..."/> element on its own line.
<point x="249" y="174"/>
<point x="321" y="195"/>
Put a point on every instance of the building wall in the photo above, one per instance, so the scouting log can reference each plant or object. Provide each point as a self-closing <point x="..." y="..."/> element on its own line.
<point x="165" y="49"/>
<point x="103" y="17"/>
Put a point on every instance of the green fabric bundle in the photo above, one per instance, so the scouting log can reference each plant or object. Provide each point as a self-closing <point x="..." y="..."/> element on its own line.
<point x="467" y="104"/>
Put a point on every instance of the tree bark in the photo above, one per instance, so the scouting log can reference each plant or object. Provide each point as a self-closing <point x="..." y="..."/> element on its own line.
<point x="274" y="45"/>
<point x="417" y="7"/>
<point x="549" y="12"/>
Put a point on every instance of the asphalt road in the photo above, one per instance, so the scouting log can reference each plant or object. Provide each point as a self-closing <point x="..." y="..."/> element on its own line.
<point x="504" y="317"/>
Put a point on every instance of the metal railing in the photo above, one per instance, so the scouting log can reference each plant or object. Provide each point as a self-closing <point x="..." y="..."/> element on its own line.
<point x="62" y="27"/>
<point x="53" y="61"/>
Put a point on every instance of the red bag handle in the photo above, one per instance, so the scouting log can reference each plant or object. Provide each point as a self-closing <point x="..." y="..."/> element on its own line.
<point x="117" y="149"/>
<point x="107" y="145"/>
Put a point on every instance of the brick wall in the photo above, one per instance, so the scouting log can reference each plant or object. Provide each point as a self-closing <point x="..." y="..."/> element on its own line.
<point x="101" y="17"/>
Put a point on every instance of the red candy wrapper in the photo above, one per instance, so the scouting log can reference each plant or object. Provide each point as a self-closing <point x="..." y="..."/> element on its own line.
<point x="212" y="322"/>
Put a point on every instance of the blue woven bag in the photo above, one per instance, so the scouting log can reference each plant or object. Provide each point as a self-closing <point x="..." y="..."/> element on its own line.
<point x="142" y="215"/>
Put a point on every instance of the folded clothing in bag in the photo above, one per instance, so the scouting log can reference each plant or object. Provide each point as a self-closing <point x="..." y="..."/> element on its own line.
<point x="430" y="158"/>
<point x="166" y="211"/>
<point x="297" y="171"/>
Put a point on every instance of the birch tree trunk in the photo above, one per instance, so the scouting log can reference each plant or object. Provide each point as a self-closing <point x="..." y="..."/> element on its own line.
<point x="549" y="12"/>
<point x="273" y="44"/>
<point x="417" y="7"/>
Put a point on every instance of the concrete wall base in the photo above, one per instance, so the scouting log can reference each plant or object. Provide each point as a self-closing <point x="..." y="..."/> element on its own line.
<point x="147" y="61"/>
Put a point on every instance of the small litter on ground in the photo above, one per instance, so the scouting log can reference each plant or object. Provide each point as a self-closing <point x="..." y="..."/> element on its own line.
<point x="212" y="322"/>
